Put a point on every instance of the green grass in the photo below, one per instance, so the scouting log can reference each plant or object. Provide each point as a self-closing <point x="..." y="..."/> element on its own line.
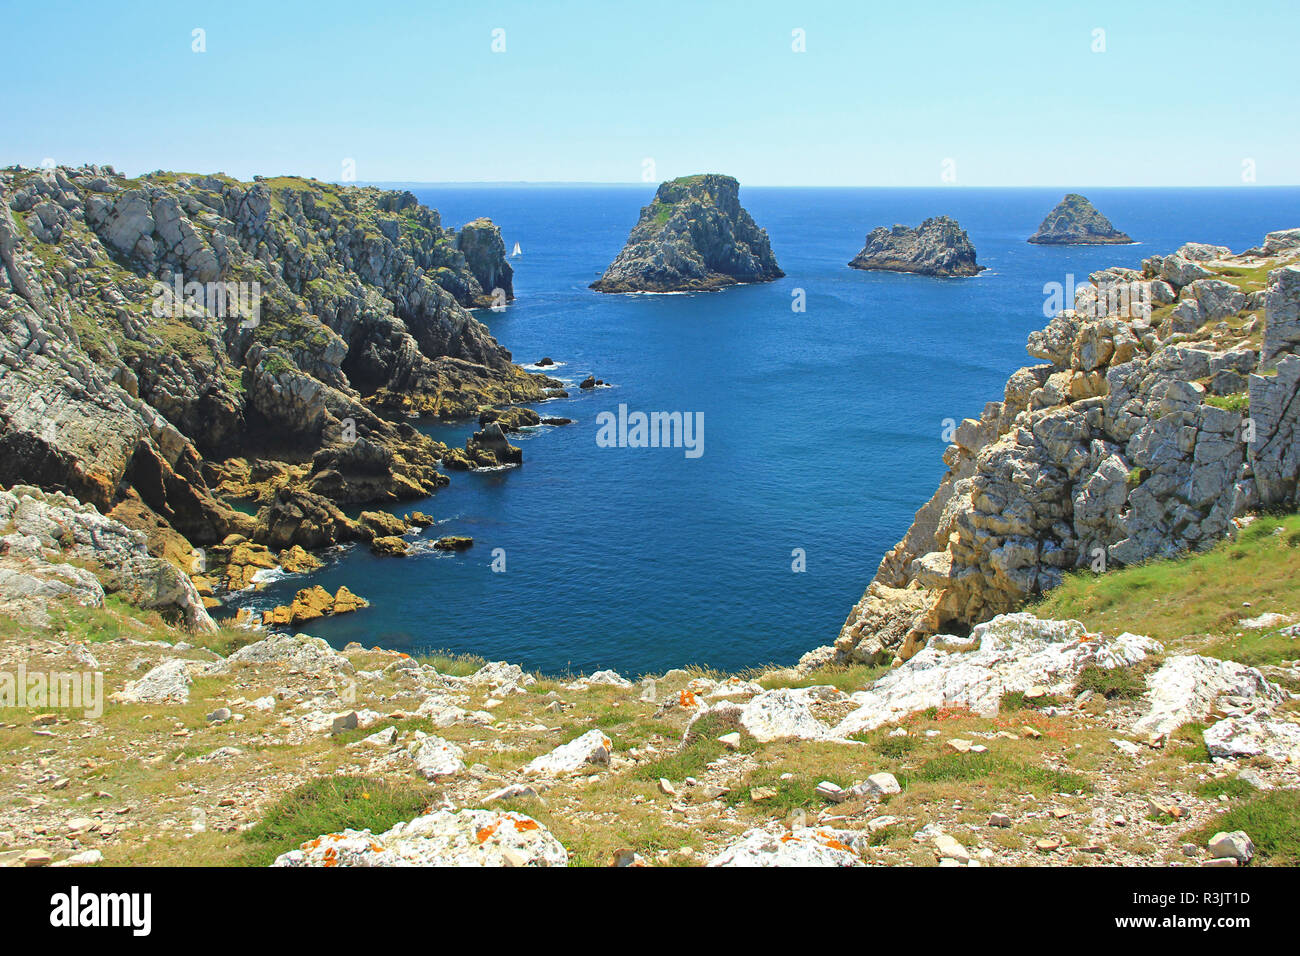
<point x="848" y="679"/>
<point x="1113" y="683"/>
<point x="451" y="663"/>
<point x="1239" y="402"/>
<point x="1271" y="820"/>
<point x="896" y="747"/>
<point x="700" y="750"/>
<point x="1188" y="743"/>
<point x="1232" y="787"/>
<point x="1000" y="771"/>
<point x="1199" y="594"/>
<point x="799" y="792"/>
<point x="1016" y="700"/>
<point x="327" y="805"/>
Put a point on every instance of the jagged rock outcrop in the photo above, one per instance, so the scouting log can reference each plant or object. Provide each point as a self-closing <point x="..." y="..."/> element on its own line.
<point x="1158" y="414"/>
<point x="152" y="328"/>
<point x="484" y="250"/>
<point x="49" y="537"/>
<point x="1074" y="222"/>
<point x="938" y="247"/>
<point x="694" y="236"/>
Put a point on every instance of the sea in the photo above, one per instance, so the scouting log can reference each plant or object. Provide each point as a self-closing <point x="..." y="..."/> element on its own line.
<point x="823" y="400"/>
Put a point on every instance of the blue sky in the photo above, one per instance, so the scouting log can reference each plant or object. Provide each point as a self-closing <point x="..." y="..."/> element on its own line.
<point x="1013" y="93"/>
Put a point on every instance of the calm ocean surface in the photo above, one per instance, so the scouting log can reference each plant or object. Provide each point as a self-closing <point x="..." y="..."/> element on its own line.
<point x="821" y="429"/>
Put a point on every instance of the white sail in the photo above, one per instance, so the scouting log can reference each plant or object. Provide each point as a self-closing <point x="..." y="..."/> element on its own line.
<point x="517" y="251"/>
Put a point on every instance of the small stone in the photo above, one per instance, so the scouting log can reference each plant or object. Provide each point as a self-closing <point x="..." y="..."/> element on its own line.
<point x="1036" y="692"/>
<point x="950" y="849"/>
<point x="343" y="722"/>
<point x="762" y="793"/>
<point x="219" y="716"/>
<point x="960" y="745"/>
<point x="35" y="858"/>
<point x="999" y="820"/>
<point x="731" y="741"/>
<point x="1030" y="732"/>
<point x="1047" y="846"/>
<point x="1235" y="845"/>
<point x="831" y="792"/>
<point x="1059" y="813"/>
<point x="1220" y="861"/>
<point x="665" y="787"/>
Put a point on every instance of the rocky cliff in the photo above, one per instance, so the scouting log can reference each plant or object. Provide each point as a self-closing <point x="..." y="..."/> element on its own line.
<point x="1075" y="221"/>
<point x="938" y="247"/>
<point x="484" y="250"/>
<point x="166" y="338"/>
<point x="694" y="236"/>
<point x="1165" y="405"/>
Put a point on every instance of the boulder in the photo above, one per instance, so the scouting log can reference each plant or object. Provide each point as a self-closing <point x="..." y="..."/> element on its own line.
<point x="441" y="838"/>
<point x="802" y="846"/>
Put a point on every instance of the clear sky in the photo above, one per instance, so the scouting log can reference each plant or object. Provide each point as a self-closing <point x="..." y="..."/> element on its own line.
<point x="1013" y="93"/>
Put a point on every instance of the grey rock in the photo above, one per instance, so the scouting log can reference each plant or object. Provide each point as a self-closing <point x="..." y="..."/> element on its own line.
<point x="938" y="247"/>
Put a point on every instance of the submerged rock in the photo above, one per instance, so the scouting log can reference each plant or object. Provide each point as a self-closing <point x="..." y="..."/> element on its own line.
<point x="938" y="247"/>
<point x="694" y="236"/>
<point x="1074" y="221"/>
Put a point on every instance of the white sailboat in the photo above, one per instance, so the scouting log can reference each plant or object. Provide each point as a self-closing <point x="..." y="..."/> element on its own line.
<point x="517" y="251"/>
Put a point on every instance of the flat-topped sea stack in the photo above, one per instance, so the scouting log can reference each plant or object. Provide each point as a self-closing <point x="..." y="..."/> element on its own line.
<point x="694" y="237"/>
<point x="1075" y="222"/>
<point x="938" y="247"/>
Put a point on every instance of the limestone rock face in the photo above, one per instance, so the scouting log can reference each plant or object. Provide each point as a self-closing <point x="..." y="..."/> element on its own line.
<point x="694" y="236"/>
<point x="1186" y="688"/>
<point x="442" y="838"/>
<point x="1145" y="429"/>
<point x="938" y="247"/>
<point x="50" y="530"/>
<point x="1074" y="221"/>
<point x="1013" y="652"/>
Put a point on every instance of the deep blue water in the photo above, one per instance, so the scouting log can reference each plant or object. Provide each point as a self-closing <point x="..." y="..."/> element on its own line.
<point x="822" y="429"/>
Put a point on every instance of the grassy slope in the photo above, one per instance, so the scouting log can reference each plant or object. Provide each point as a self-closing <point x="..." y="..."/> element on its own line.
<point x="1198" y="601"/>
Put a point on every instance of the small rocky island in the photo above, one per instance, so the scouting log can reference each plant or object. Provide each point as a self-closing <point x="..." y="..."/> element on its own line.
<point x="1075" y="222"/>
<point x="694" y="237"/>
<point x="938" y="247"/>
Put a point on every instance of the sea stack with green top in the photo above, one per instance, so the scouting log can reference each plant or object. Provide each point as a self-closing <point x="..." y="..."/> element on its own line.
<point x="1075" y="222"/>
<point x="693" y="237"/>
